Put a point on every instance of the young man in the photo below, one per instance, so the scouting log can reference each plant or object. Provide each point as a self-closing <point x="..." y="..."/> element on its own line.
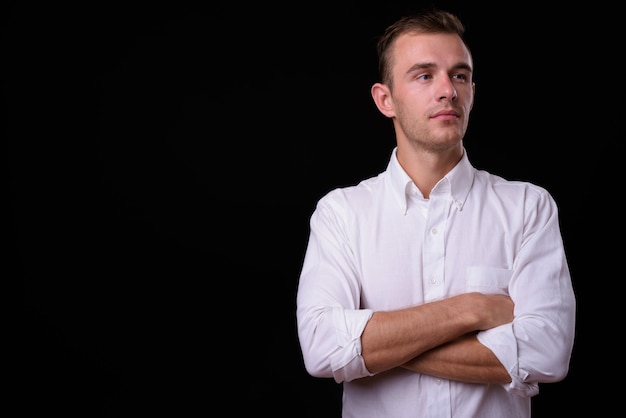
<point x="434" y="289"/>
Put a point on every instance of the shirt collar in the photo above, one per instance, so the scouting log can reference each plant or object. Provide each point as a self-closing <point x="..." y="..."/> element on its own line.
<point x="459" y="179"/>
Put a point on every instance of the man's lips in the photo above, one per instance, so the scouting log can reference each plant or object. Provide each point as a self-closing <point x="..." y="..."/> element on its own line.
<point x="445" y="114"/>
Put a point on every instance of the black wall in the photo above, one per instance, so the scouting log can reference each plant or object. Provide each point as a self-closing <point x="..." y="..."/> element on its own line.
<point x="164" y="159"/>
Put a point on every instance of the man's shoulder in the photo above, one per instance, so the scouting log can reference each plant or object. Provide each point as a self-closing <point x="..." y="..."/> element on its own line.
<point x="365" y="189"/>
<point x="496" y="183"/>
<point x="356" y="198"/>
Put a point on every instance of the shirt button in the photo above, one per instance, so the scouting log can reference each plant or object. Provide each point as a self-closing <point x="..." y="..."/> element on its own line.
<point x="433" y="280"/>
<point x="433" y="231"/>
<point x="438" y="382"/>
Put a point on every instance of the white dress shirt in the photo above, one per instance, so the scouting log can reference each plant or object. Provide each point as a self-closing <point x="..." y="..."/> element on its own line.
<point x="380" y="245"/>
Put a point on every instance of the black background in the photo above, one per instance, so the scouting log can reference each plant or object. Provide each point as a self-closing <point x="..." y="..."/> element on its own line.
<point x="164" y="159"/>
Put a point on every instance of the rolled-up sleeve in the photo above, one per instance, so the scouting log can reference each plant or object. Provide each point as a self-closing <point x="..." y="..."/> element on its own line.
<point x="536" y="347"/>
<point x="329" y="320"/>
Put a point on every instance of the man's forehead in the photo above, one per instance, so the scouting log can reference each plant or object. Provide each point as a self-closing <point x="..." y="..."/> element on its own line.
<point x="430" y="47"/>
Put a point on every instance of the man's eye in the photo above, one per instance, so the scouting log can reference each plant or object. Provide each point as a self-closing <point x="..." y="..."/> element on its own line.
<point x="461" y="77"/>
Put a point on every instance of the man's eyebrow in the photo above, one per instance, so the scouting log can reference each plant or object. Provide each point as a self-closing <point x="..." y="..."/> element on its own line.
<point x="428" y="65"/>
<point x="463" y="66"/>
<point x="422" y="66"/>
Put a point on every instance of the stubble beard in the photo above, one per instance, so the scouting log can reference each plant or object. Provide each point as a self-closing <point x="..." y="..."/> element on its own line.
<point x="439" y="141"/>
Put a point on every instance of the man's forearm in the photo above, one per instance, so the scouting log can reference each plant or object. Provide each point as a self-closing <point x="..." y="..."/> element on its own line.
<point x="393" y="338"/>
<point x="464" y="359"/>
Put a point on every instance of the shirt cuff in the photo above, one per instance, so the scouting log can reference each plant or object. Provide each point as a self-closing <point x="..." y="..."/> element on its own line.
<point x="347" y="363"/>
<point x="501" y="341"/>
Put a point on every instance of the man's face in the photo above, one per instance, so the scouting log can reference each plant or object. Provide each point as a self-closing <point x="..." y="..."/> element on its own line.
<point x="433" y="90"/>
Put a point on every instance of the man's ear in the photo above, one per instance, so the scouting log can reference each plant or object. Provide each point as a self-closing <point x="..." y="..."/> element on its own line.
<point x="382" y="98"/>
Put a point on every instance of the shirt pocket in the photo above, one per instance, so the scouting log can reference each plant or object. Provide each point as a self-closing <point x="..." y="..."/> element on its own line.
<point x="489" y="280"/>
